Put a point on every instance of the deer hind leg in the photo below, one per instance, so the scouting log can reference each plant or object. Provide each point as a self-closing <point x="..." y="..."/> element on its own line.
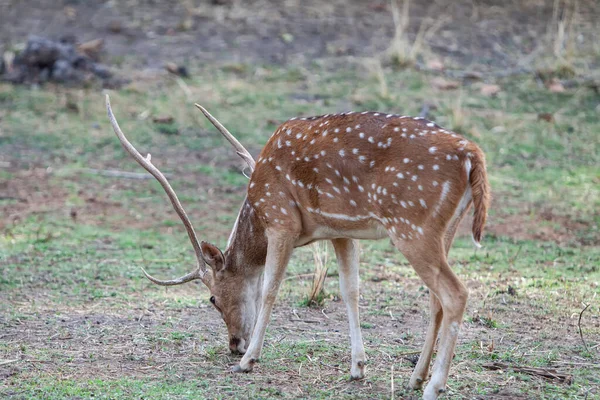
<point x="279" y="251"/>
<point x="421" y="370"/>
<point x="429" y="261"/>
<point x="346" y="251"/>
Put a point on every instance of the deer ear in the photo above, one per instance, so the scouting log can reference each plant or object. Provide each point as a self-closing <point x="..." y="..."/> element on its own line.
<point x="213" y="256"/>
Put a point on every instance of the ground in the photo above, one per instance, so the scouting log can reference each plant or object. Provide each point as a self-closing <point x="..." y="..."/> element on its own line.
<point x="78" y="320"/>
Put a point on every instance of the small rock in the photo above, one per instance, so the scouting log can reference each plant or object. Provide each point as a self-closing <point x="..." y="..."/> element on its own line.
<point x="62" y="71"/>
<point x="115" y="27"/>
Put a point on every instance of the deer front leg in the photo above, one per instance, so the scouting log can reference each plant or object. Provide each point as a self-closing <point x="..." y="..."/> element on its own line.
<point x="346" y="251"/>
<point x="279" y="251"/>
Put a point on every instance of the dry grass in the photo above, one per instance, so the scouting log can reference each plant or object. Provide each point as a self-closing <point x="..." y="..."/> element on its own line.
<point x="402" y="51"/>
<point x="320" y="257"/>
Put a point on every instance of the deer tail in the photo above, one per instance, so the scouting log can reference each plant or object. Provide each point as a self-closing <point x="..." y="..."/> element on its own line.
<point x="480" y="189"/>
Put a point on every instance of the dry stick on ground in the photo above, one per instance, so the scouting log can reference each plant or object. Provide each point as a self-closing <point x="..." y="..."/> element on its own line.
<point x="579" y="327"/>
<point x="546" y="373"/>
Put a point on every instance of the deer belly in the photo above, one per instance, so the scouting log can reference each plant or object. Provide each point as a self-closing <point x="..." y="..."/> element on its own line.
<point x="370" y="231"/>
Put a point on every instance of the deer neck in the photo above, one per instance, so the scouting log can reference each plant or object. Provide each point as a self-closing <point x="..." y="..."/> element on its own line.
<point x="247" y="244"/>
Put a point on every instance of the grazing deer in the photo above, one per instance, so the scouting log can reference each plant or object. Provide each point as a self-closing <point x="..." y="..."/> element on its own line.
<point x="342" y="178"/>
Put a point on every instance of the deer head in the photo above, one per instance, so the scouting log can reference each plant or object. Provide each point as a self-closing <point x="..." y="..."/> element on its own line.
<point x="233" y="276"/>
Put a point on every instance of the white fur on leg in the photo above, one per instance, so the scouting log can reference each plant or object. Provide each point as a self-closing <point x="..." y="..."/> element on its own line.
<point x="347" y="255"/>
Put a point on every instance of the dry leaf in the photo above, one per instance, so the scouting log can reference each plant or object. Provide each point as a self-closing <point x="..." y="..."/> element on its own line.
<point x="163" y="119"/>
<point x="555" y="86"/>
<point x="178" y="70"/>
<point x="489" y="90"/>
<point x="444" y="84"/>
<point x="91" y="48"/>
<point x="548" y="117"/>
<point x="435" y="65"/>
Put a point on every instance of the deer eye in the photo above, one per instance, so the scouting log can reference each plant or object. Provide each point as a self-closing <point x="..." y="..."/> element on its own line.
<point x="212" y="299"/>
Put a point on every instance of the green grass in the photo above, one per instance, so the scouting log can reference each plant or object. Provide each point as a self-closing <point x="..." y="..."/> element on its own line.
<point x="99" y="329"/>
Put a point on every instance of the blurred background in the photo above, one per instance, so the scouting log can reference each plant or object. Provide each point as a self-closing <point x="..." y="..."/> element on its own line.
<point x="79" y="217"/>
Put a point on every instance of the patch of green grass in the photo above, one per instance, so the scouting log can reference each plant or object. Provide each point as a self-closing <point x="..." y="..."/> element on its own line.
<point x="53" y="266"/>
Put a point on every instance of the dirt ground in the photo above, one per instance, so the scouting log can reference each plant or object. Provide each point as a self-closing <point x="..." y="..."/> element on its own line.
<point x="478" y="35"/>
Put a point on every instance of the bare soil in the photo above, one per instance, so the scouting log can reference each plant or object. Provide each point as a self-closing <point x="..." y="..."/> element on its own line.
<point x="488" y="35"/>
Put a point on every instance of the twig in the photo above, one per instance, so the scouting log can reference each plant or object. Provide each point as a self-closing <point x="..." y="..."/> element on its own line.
<point x="392" y="382"/>
<point x="184" y="87"/>
<point x="409" y="353"/>
<point x="424" y="110"/>
<point x="308" y="321"/>
<point x="579" y="327"/>
<point x="580" y="364"/>
<point x="8" y="362"/>
<point x="545" y="373"/>
<point x="119" y="174"/>
<point x="300" y="276"/>
<point x="513" y="258"/>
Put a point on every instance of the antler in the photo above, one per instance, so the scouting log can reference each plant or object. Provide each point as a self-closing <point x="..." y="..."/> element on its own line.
<point x="240" y="150"/>
<point x="200" y="272"/>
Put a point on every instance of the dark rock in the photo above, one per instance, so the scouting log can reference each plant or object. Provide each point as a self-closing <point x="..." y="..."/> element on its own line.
<point x="60" y="61"/>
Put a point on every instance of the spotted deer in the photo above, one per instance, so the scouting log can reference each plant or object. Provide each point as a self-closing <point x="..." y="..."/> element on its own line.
<point x="341" y="178"/>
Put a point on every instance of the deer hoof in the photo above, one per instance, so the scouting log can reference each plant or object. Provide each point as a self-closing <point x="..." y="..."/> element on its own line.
<point x="238" y="368"/>
<point x="357" y="371"/>
<point x="416" y="383"/>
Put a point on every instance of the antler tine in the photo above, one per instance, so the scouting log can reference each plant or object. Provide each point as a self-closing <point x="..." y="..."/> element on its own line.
<point x="240" y="150"/>
<point x="197" y="274"/>
<point x="148" y="166"/>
